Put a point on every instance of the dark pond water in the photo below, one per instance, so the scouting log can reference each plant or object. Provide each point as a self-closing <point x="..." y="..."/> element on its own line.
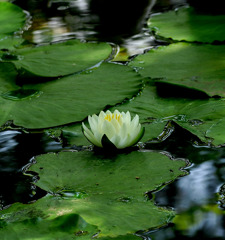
<point x="197" y="197"/>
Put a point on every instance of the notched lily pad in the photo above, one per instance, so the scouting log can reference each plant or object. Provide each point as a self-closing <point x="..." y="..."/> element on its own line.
<point x="198" y="67"/>
<point x="69" y="99"/>
<point x="186" y="24"/>
<point x="114" y="204"/>
<point x="203" y="118"/>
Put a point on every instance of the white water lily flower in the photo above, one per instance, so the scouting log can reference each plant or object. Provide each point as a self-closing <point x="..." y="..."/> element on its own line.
<point x="117" y="127"/>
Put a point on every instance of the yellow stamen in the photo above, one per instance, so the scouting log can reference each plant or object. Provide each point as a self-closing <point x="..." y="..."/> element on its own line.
<point x="109" y="117"/>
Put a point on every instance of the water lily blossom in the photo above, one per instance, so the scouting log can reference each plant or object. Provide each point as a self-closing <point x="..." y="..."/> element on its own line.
<point x="117" y="128"/>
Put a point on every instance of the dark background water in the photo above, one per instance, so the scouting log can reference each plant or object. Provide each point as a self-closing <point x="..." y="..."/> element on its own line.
<point x="198" y="197"/>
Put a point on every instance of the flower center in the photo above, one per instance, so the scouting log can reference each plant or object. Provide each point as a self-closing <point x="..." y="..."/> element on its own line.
<point x="109" y="117"/>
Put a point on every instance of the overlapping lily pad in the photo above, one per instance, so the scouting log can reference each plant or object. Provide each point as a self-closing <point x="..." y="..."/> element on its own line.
<point x="199" y="67"/>
<point x="105" y="192"/>
<point x="203" y="118"/>
<point x="187" y="24"/>
<point x="66" y="100"/>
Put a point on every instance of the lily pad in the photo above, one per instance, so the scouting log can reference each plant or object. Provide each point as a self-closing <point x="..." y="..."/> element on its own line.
<point x="66" y="100"/>
<point x="203" y="118"/>
<point x="186" y="24"/>
<point x="12" y="18"/>
<point x="10" y="42"/>
<point x="199" y="67"/>
<point x="105" y="192"/>
<point x="60" y="59"/>
<point x="217" y="132"/>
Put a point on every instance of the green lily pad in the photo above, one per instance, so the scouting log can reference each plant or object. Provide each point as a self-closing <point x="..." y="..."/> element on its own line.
<point x="105" y="192"/>
<point x="60" y="59"/>
<point x="186" y="24"/>
<point x="12" y="18"/>
<point x="217" y="132"/>
<point x="199" y="67"/>
<point x="203" y="118"/>
<point x="74" y="136"/>
<point x="10" y="42"/>
<point x="66" y="100"/>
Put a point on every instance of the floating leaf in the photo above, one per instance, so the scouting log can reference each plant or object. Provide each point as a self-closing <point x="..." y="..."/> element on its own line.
<point x="12" y="18"/>
<point x="217" y="132"/>
<point x="66" y="100"/>
<point x="203" y="118"/>
<point x="186" y="24"/>
<point x="10" y="42"/>
<point x="62" y="58"/>
<point x="105" y="192"/>
<point x="199" y="67"/>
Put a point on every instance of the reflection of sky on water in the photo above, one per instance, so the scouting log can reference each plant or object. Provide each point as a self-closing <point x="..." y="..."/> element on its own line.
<point x="198" y="187"/>
<point x="194" y="197"/>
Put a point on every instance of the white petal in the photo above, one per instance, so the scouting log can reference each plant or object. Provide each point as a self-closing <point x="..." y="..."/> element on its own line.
<point x="101" y="116"/>
<point x="116" y="125"/>
<point x="137" y="137"/>
<point x="108" y="129"/>
<point x="116" y="139"/>
<point x="93" y="122"/>
<point x="108" y="112"/>
<point x="89" y="135"/>
<point x="134" y="122"/>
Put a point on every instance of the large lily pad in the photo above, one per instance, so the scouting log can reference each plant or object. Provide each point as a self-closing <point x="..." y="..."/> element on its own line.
<point x="105" y="192"/>
<point x="203" y="118"/>
<point x="65" y="100"/>
<point x="198" y="67"/>
<point x="186" y="24"/>
<point x="60" y="59"/>
<point x="12" y="18"/>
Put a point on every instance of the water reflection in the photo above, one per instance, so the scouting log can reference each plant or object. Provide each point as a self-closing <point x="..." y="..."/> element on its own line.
<point x="16" y="149"/>
<point x="85" y="19"/>
<point x="195" y="196"/>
